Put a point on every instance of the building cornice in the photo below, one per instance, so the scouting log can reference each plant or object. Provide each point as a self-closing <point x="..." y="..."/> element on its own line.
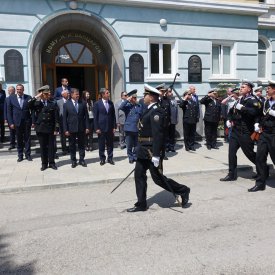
<point x="207" y="6"/>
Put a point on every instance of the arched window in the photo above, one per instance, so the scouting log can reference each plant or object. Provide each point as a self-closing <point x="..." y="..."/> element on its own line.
<point x="262" y="59"/>
<point x="74" y="53"/>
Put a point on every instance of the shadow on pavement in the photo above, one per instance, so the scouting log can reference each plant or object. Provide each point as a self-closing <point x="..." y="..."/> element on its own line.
<point x="7" y="265"/>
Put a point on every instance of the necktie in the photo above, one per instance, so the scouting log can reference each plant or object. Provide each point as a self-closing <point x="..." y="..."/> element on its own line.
<point x="106" y="105"/>
<point x="45" y="103"/>
<point x="76" y="106"/>
<point x="21" y="102"/>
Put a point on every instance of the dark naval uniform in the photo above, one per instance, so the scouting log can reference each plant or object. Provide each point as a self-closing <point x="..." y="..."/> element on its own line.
<point x="242" y="128"/>
<point x="133" y="113"/>
<point x="150" y="144"/>
<point x="266" y="144"/>
<point x="190" y="117"/>
<point x="211" y="120"/>
<point x="46" y="123"/>
<point x="166" y="106"/>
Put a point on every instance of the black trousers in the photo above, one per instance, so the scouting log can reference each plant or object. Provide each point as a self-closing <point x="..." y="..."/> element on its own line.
<point x="46" y="142"/>
<point x="236" y="141"/>
<point x="106" y="138"/>
<point x="78" y="138"/>
<point x="2" y="128"/>
<point x="189" y="132"/>
<point x="210" y="129"/>
<point x="12" y="137"/>
<point x="266" y="144"/>
<point x="171" y="139"/>
<point x="142" y="165"/>
<point x="23" y="136"/>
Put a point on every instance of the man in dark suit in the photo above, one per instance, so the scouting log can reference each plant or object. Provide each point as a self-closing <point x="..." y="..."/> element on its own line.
<point x="2" y="120"/>
<point x="105" y="125"/>
<point x="46" y="125"/>
<point x="64" y="86"/>
<point x="19" y="118"/>
<point x="76" y="125"/>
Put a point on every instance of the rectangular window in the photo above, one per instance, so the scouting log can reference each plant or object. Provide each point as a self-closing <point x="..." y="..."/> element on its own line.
<point x="221" y="60"/>
<point x="161" y="60"/>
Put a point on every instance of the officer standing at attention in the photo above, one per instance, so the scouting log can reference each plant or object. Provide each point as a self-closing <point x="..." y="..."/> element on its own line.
<point x="133" y="112"/>
<point x="211" y="118"/>
<point x="46" y="124"/>
<point x="266" y="143"/>
<point x="242" y="117"/>
<point x="190" y="117"/>
<point x="149" y="153"/>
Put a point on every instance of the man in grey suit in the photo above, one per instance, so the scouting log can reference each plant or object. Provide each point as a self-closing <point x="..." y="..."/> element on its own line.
<point x="60" y="102"/>
<point x="120" y="119"/>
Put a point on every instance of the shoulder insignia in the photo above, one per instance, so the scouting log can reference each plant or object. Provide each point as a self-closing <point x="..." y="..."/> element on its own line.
<point x="257" y="104"/>
<point x="155" y="107"/>
<point x="156" y="118"/>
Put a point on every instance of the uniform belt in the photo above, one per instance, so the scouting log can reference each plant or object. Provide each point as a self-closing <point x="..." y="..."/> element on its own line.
<point x="148" y="139"/>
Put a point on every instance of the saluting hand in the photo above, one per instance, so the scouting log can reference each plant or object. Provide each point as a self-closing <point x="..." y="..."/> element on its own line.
<point x="87" y="131"/>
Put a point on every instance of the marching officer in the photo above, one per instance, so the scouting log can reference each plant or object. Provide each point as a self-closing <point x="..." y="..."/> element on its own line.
<point x="266" y="143"/>
<point x="190" y="118"/>
<point x="242" y="117"/>
<point x="46" y="124"/>
<point x="212" y="117"/>
<point x="149" y="153"/>
<point x="133" y="112"/>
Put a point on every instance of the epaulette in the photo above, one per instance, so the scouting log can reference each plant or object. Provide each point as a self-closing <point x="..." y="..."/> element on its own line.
<point x="155" y="107"/>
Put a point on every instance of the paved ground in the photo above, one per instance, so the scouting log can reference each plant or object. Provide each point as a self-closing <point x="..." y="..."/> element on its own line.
<point x="85" y="230"/>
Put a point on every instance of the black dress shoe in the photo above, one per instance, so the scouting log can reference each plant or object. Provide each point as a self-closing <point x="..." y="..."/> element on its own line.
<point x="56" y="156"/>
<point x="131" y="161"/>
<point x="186" y="148"/>
<point x="53" y="166"/>
<point x="257" y="188"/>
<point x="215" y="147"/>
<point x="208" y="147"/>
<point x="255" y="176"/>
<point x="82" y="163"/>
<point x="111" y="161"/>
<point x="20" y="159"/>
<point x="185" y="198"/>
<point x="192" y="148"/>
<point x="228" y="178"/>
<point x="137" y="209"/>
<point x="11" y="147"/>
<point x="74" y="164"/>
<point x="29" y="158"/>
<point x="102" y="162"/>
<point x="43" y="167"/>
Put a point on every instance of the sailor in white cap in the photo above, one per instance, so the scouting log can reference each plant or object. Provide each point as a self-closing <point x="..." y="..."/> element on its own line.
<point x="150" y="138"/>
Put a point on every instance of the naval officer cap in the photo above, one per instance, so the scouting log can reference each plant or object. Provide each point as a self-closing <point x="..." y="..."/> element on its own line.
<point x="213" y="91"/>
<point x="271" y="83"/>
<point x="259" y="88"/>
<point x="133" y="93"/>
<point x="44" y="89"/>
<point x="161" y="86"/>
<point x="151" y="90"/>
<point x="248" y="83"/>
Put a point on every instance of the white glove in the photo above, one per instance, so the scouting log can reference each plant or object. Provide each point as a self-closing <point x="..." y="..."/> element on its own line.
<point x="239" y="106"/>
<point x="256" y="127"/>
<point x="228" y="124"/>
<point x="155" y="160"/>
<point x="272" y="112"/>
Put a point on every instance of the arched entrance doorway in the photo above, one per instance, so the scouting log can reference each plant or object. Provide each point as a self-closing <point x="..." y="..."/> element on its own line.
<point x="78" y="57"/>
<point x="90" y="59"/>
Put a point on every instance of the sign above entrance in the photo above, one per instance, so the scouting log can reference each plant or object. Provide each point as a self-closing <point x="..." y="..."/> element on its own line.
<point x="72" y="36"/>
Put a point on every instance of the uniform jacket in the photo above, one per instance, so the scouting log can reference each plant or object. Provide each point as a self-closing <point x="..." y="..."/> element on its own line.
<point x="267" y="122"/>
<point x="74" y="121"/>
<point x="151" y="125"/>
<point x="244" y="119"/>
<point x="133" y="114"/>
<point x="212" y="109"/>
<point x="45" y="118"/>
<point x="165" y="105"/>
<point x="15" y="114"/>
<point x="190" y="111"/>
<point x="104" y="121"/>
<point x="120" y="115"/>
